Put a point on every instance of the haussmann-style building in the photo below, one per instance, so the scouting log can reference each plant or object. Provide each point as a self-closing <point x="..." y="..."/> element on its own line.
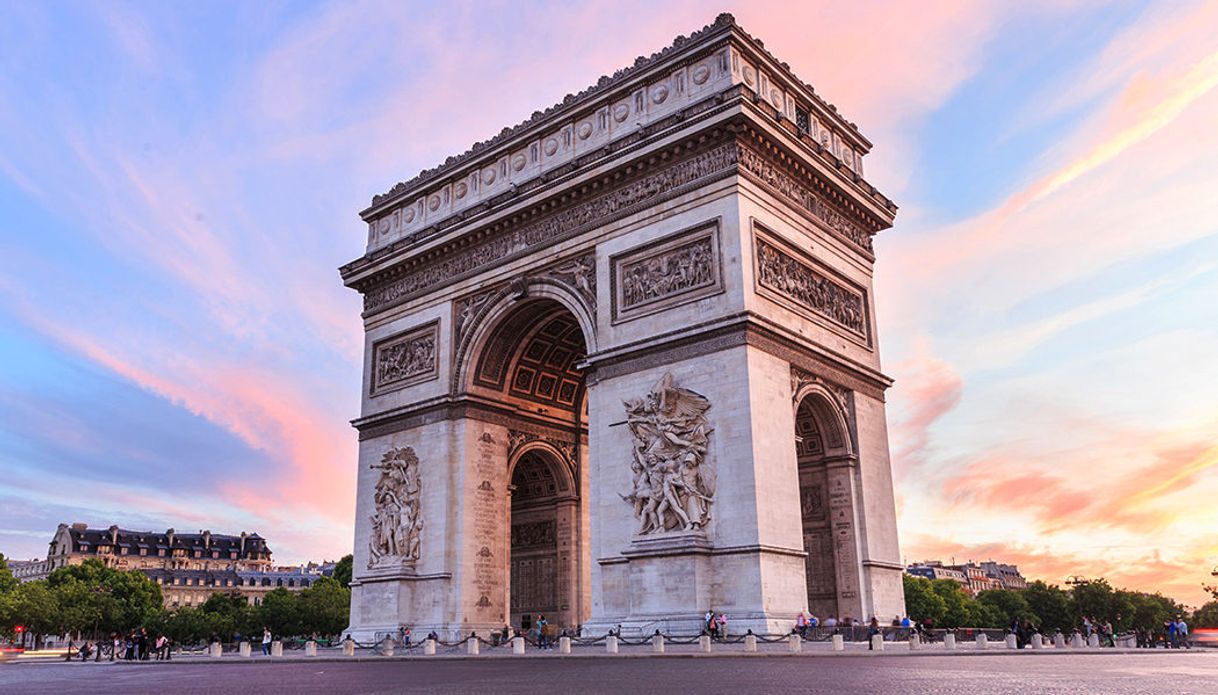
<point x="621" y="364"/>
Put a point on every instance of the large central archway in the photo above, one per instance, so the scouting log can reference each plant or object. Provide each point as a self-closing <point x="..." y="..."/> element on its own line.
<point x="527" y="364"/>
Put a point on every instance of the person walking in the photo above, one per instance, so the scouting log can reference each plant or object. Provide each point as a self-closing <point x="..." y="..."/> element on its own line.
<point x="801" y="625"/>
<point x="873" y="629"/>
<point x="116" y="644"/>
<point x="129" y="646"/>
<point x="722" y="624"/>
<point x="266" y="641"/>
<point x="1182" y="633"/>
<point x="708" y="622"/>
<point x="543" y="636"/>
<point x="141" y="642"/>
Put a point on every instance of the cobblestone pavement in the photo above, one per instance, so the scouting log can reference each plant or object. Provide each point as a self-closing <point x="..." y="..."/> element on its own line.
<point x="906" y="674"/>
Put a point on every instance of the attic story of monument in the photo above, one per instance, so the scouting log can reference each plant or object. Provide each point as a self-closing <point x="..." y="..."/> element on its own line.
<point x="621" y="365"/>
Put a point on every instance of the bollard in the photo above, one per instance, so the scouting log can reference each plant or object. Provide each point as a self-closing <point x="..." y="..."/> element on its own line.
<point x="750" y="642"/>
<point x="1038" y="641"/>
<point x="914" y="642"/>
<point x="704" y="643"/>
<point x="657" y="643"/>
<point x="839" y="643"/>
<point x="383" y="648"/>
<point x="1059" y="641"/>
<point x="517" y="645"/>
<point x="244" y="649"/>
<point x="348" y="647"/>
<point x="1012" y="642"/>
<point x="877" y="643"/>
<point x="795" y="643"/>
<point x="310" y="648"/>
<point x="564" y="645"/>
<point x="277" y="648"/>
<point x="215" y="650"/>
<point x="1076" y="641"/>
<point x="983" y="642"/>
<point x="611" y="644"/>
<point x="471" y="645"/>
<point x="429" y="647"/>
<point x="1093" y="641"/>
<point x="949" y="641"/>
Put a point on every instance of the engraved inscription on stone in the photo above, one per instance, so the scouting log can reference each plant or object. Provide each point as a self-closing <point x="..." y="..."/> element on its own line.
<point x="489" y="514"/>
<point x="811" y="290"/>
<point x="405" y="359"/>
<point x="673" y="271"/>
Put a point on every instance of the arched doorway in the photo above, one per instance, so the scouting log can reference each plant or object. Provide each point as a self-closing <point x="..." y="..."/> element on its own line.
<point x="822" y="451"/>
<point x="528" y="366"/>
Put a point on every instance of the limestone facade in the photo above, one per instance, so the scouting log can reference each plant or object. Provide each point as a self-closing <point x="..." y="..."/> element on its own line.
<point x="631" y="343"/>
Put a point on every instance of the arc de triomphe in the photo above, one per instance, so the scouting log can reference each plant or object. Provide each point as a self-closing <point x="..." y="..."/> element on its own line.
<point x="622" y="368"/>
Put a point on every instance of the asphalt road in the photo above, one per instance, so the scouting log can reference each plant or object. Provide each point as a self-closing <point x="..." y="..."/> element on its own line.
<point x="1118" y="674"/>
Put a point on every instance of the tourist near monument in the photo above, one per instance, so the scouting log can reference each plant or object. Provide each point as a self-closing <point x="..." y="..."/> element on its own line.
<point x="621" y="364"/>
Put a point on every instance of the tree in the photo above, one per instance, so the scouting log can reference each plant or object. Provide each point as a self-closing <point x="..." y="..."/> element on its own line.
<point x="1051" y="606"/>
<point x="342" y="570"/>
<point x="227" y="615"/>
<point x="958" y="605"/>
<point x="8" y="582"/>
<point x="1092" y="599"/>
<point x="280" y="611"/>
<point x="325" y="607"/>
<point x="93" y="597"/>
<point x="1206" y="616"/>
<point x="35" y="608"/>
<point x="1005" y="606"/>
<point x="921" y="602"/>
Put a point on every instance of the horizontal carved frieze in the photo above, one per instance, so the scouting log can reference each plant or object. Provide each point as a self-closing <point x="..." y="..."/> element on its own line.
<point x="648" y="189"/>
<point x="405" y="359"/>
<point x="675" y="270"/>
<point x="798" y="281"/>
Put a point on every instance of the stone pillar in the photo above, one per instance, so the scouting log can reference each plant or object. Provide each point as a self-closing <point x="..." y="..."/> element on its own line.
<point x="1012" y="642"/>
<point x="843" y="514"/>
<point x="310" y="648"/>
<point x="244" y="649"/>
<point x="839" y="643"/>
<point x="383" y="648"/>
<point x="611" y="644"/>
<point x="704" y="643"/>
<point x="657" y="643"/>
<point x="877" y="643"/>
<point x="914" y="642"/>
<point x="348" y="647"/>
<point x="1093" y="641"/>
<point x="1076" y="641"/>
<point x="277" y="648"/>
<point x="215" y="650"/>
<point x="949" y="641"/>
<point x="1059" y="641"/>
<point x="471" y="645"/>
<point x="518" y="645"/>
<point x="983" y="642"/>
<point x="429" y="647"/>
<point x="1038" y="641"/>
<point x="750" y="642"/>
<point x="564" y="645"/>
<point x="795" y="643"/>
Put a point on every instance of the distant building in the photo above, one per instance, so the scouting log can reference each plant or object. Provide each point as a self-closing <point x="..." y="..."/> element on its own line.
<point x="189" y="567"/>
<point x="973" y="577"/>
<point x="25" y="570"/>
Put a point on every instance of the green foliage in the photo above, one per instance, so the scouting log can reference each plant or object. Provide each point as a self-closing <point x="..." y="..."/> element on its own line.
<point x="8" y="583"/>
<point x="97" y="600"/>
<point x="1206" y="616"/>
<point x="958" y="609"/>
<point x="34" y="606"/>
<point x="1051" y="606"/>
<point x="921" y="603"/>
<point x="342" y="570"/>
<point x="1004" y="606"/>
<point x="280" y="611"/>
<point x="325" y="608"/>
<point x="228" y="616"/>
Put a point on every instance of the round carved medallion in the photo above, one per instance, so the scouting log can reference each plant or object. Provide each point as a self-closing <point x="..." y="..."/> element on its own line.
<point x="659" y="94"/>
<point x="620" y="112"/>
<point x="518" y="162"/>
<point x="408" y="214"/>
<point x="584" y="131"/>
<point x="550" y="147"/>
<point x="750" y="76"/>
<point x="433" y="203"/>
<point x="701" y="74"/>
<point x="488" y="175"/>
<point x="461" y="189"/>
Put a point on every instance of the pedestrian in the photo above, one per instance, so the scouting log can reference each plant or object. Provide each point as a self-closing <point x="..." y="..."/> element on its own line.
<point x="708" y="622"/>
<point x="405" y="636"/>
<point x="873" y="629"/>
<point x="141" y="641"/>
<point x="129" y="646"/>
<point x="507" y="632"/>
<point x="1182" y="633"/>
<point x="1173" y="641"/>
<point x="266" y="641"/>
<point x="543" y="638"/>
<point x="116" y="645"/>
<point x="722" y="624"/>
<point x="801" y="625"/>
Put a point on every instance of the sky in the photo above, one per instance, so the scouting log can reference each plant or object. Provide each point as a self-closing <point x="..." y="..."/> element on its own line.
<point x="180" y="181"/>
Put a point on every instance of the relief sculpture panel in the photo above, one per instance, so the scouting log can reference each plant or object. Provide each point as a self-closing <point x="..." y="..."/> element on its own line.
<point x="396" y="520"/>
<point x="674" y="484"/>
<point x="405" y="359"/>
<point x="797" y="281"/>
<point x="672" y="271"/>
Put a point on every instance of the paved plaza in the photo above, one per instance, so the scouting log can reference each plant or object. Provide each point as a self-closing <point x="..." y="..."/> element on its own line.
<point x="900" y="672"/>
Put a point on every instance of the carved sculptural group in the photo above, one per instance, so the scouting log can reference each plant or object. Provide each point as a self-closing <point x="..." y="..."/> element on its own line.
<point x="396" y="519"/>
<point x="673" y="483"/>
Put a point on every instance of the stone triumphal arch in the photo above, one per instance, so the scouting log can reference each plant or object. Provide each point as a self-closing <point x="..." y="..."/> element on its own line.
<point x="621" y="364"/>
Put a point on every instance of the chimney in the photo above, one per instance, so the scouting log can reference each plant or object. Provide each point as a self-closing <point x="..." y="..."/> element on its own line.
<point x="169" y="538"/>
<point x="207" y="539"/>
<point x="242" y="553"/>
<point x="78" y="526"/>
<point x="113" y="534"/>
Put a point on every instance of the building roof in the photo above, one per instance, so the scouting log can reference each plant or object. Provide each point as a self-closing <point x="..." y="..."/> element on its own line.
<point x="158" y="540"/>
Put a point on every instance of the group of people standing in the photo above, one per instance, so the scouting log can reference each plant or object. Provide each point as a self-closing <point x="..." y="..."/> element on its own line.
<point x="715" y="625"/>
<point x="134" y="646"/>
